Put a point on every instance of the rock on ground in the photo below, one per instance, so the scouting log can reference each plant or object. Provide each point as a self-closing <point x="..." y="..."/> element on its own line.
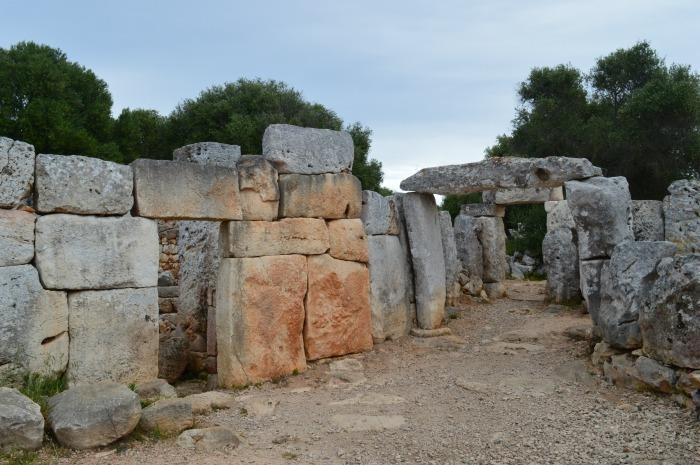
<point x="348" y="240"/>
<point x="289" y="236"/>
<point x="16" y="237"/>
<point x="379" y="214"/>
<point x="208" y="439"/>
<point x="93" y="415"/>
<point x="21" y="422"/>
<point x="682" y="215"/>
<point x="330" y="196"/>
<point x="648" y="220"/>
<point x="205" y="402"/>
<point x="157" y="389"/>
<point x="167" y="416"/>
<point x="560" y="256"/>
<point x="209" y="153"/>
<point x="16" y="172"/>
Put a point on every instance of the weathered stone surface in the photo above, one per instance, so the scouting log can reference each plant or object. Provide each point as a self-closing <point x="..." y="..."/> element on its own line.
<point x="305" y="236"/>
<point x="469" y="250"/>
<point x="602" y="352"/>
<point x="682" y="215"/>
<point x="186" y="191"/>
<point x="167" y="416"/>
<point x="87" y="252"/>
<point x="21" y="423"/>
<point x="669" y="317"/>
<point x="165" y="292"/>
<point x="209" y="153"/>
<point x="331" y="196"/>
<point x="12" y="375"/>
<point x="688" y="382"/>
<point x="482" y="209"/>
<point x="528" y="195"/>
<point x="495" y="290"/>
<point x="622" y="371"/>
<point x="16" y="237"/>
<point x="173" y="351"/>
<point x="500" y="173"/>
<point x="82" y="185"/>
<point x="492" y="238"/>
<point x="652" y="373"/>
<point x="338" y="314"/>
<point x="293" y="149"/>
<point x="590" y="285"/>
<point x="34" y="323"/>
<point x="16" y="172"/>
<point x="113" y="336"/>
<point x="200" y="254"/>
<point x="405" y="245"/>
<point x="157" y="389"/>
<point x="560" y="256"/>
<point x="379" y="214"/>
<point x="423" y="227"/>
<point x="208" y="439"/>
<point x="205" y="402"/>
<point x="623" y="281"/>
<point x="601" y="208"/>
<point x="558" y="215"/>
<point x="260" y="318"/>
<point x="389" y="278"/>
<point x="258" y="189"/>
<point x="449" y="252"/>
<point x="648" y="220"/>
<point x="348" y="240"/>
<point x="93" y="415"/>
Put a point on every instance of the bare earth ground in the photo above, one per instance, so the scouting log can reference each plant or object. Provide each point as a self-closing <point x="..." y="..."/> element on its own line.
<point x="509" y="387"/>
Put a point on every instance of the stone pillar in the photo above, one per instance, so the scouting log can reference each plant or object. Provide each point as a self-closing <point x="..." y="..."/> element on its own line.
<point x="452" y="263"/>
<point x="560" y="254"/>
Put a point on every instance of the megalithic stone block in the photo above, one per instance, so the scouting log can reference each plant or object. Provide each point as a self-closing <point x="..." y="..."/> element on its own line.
<point x="379" y="214"/>
<point x="330" y="196"/>
<point x="560" y="257"/>
<point x="492" y="237"/>
<point x="16" y="237"/>
<point x="528" y="195"/>
<point x="16" y="172"/>
<point x="305" y="236"/>
<point x="259" y="192"/>
<point x="648" y="220"/>
<point x="449" y="249"/>
<point x="682" y="215"/>
<point x="469" y="250"/>
<point x="209" y="153"/>
<point x="348" y="240"/>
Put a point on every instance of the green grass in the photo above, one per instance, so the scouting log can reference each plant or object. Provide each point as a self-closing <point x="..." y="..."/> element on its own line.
<point x="534" y="276"/>
<point x="289" y="455"/>
<point x="19" y="458"/>
<point x="39" y="388"/>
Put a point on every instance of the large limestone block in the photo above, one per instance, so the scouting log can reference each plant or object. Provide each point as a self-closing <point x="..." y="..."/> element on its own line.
<point x="338" y="314"/>
<point x="682" y="215"/>
<point x="259" y="192"/>
<point x="405" y="245"/>
<point x="348" y="240"/>
<point x="209" y="153"/>
<point x="500" y="173"/>
<point x="590" y="271"/>
<point x="16" y="237"/>
<point x="560" y="256"/>
<point x="87" y="252"/>
<point x="601" y="208"/>
<point x="199" y="254"/>
<point x="528" y="195"/>
<point x="82" y="185"/>
<point x="390" y="281"/>
<point x="16" y="172"/>
<point x="21" y="422"/>
<point x="379" y="214"/>
<point x="33" y="323"/>
<point x="469" y="250"/>
<point x="624" y="280"/>
<point x="93" y="415"/>
<point x="492" y="237"/>
<point x="423" y="226"/>
<point x="670" y="314"/>
<point x="648" y="220"/>
<point x="260" y="318"/>
<point x="305" y="236"/>
<point x="558" y="215"/>
<point x="482" y="209"/>
<point x="449" y="251"/>
<point x="187" y="191"/>
<point x="293" y="149"/>
<point x="332" y="196"/>
<point x="113" y="336"/>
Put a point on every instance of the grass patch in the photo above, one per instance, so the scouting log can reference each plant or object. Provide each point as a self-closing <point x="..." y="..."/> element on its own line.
<point x="534" y="276"/>
<point x="39" y="388"/>
<point x="20" y="457"/>
<point x="289" y="455"/>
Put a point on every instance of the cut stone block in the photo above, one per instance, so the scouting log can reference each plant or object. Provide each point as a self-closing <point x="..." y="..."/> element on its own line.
<point x="305" y="236"/>
<point x="87" y="252"/>
<point x="187" y="191"/>
<point x="82" y="185"/>
<point x="293" y="149"/>
<point x="258" y="190"/>
<point x="469" y="250"/>
<point x="648" y="220"/>
<point x="482" y="209"/>
<point x="528" y="195"/>
<point x="560" y="256"/>
<point x="590" y="285"/>
<point x="405" y="246"/>
<point x="260" y="318"/>
<point x="338" y="314"/>
<point x="209" y="153"/>
<point x="379" y="214"/>
<point x="348" y="240"/>
<point x="423" y="226"/>
<point x="331" y="196"/>
<point x="559" y="215"/>
<point x="500" y="173"/>
<point x="492" y="237"/>
<point x="16" y="237"/>
<point x="16" y="172"/>
<point x="449" y="250"/>
<point x="682" y="215"/>
<point x="33" y="323"/>
<point x="113" y="336"/>
<point x="200" y="254"/>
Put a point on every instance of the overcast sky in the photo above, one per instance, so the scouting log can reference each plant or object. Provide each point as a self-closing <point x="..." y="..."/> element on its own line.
<point x="435" y="80"/>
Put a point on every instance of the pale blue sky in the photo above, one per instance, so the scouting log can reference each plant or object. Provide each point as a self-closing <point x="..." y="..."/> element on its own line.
<point x="435" y="80"/>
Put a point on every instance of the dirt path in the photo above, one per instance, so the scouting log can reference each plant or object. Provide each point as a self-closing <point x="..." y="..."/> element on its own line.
<point x="509" y="387"/>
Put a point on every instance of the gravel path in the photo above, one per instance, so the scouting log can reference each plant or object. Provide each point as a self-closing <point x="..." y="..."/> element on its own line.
<point x="510" y="386"/>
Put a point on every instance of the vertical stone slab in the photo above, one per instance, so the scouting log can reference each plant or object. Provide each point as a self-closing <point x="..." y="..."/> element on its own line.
<point x="260" y="318"/>
<point x="560" y="256"/>
<point x="113" y="336"/>
<point x="379" y="214"/>
<point x="405" y="246"/>
<point x="449" y="250"/>
<point x="469" y="250"/>
<point x="558" y="215"/>
<point x="423" y="226"/>
<point x="338" y="314"/>
<point x="590" y="285"/>
<point x="682" y="215"/>
<point x="492" y="237"/>
<point x="648" y="220"/>
<point x="199" y="251"/>
<point x="16" y="237"/>
<point x="16" y="172"/>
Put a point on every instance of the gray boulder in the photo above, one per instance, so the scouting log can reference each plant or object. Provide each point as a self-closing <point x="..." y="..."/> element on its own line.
<point x="153" y="390"/>
<point x="560" y="256"/>
<point x="469" y="249"/>
<point x="16" y="237"/>
<point x="492" y="238"/>
<point x="82" y="185"/>
<point x="208" y="439"/>
<point x="293" y="149"/>
<point x="93" y="415"/>
<point x="656" y="375"/>
<point x="558" y="215"/>
<point x="648" y="220"/>
<point x="16" y="172"/>
<point x="21" y="423"/>
<point x="682" y="215"/>
<point x="209" y="153"/>
<point x="379" y="214"/>
<point x="669" y="316"/>
<point x="601" y="208"/>
<point x="590" y="285"/>
<point x="500" y="173"/>
<point x="482" y="209"/>
<point x="167" y="416"/>
<point x="624" y="279"/>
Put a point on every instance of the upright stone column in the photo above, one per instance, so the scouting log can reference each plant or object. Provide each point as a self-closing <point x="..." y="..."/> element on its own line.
<point x="470" y="253"/>
<point x="560" y="254"/>
<point x="452" y="264"/>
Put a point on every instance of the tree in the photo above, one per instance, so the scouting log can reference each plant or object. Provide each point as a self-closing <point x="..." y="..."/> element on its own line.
<point x="369" y="172"/>
<point x="141" y="134"/>
<point x="54" y="104"/>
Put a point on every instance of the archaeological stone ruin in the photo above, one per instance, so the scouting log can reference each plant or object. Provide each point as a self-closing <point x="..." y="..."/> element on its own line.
<point x="247" y="268"/>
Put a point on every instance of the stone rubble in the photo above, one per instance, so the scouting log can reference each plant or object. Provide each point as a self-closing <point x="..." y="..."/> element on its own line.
<point x="21" y="422"/>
